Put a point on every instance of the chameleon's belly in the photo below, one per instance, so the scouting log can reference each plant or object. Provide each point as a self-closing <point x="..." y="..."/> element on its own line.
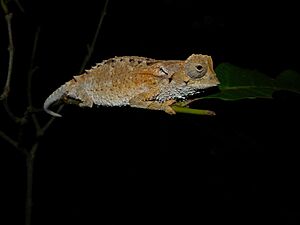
<point x="109" y="98"/>
<point x="118" y="92"/>
<point x="120" y="96"/>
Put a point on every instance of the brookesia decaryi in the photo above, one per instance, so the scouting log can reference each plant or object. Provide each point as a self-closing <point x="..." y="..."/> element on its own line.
<point x="138" y="82"/>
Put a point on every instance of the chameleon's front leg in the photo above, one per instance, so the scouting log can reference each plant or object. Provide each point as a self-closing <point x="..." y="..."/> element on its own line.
<point x="142" y="101"/>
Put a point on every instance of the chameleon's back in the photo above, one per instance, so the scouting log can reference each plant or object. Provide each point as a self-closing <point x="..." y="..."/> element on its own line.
<point x="115" y="81"/>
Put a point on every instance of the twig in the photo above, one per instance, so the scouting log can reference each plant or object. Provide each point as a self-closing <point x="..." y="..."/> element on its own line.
<point x="13" y="117"/>
<point x="8" y="18"/>
<point x="31" y="72"/>
<point x="32" y="68"/>
<point x="19" y="5"/>
<point x="8" y="139"/>
<point x="91" y="47"/>
<point x="29" y="172"/>
<point x="14" y="143"/>
<point x="4" y="7"/>
<point x="193" y="111"/>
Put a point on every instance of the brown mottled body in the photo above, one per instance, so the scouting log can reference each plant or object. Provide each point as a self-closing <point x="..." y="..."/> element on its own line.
<point x="138" y="82"/>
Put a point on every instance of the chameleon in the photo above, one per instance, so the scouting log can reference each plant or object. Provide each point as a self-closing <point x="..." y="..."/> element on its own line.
<point x="138" y="82"/>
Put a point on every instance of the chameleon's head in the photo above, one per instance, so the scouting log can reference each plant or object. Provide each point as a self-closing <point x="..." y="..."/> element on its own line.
<point x="199" y="72"/>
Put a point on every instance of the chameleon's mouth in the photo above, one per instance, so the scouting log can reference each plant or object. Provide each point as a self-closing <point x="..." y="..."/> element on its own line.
<point x="202" y="83"/>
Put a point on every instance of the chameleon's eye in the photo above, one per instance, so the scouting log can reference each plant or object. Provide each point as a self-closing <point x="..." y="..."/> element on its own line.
<point x="195" y="70"/>
<point x="199" y="67"/>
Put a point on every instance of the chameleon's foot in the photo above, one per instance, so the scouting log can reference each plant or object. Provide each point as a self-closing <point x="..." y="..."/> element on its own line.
<point x="153" y="105"/>
<point x="86" y="104"/>
<point x="167" y="107"/>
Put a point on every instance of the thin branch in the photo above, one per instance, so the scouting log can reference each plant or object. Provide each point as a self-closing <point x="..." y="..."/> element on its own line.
<point x="10" y="114"/>
<point x="32" y="112"/>
<point x="36" y="124"/>
<point x="20" y="6"/>
<point x="91" y="47"/>
<point x="8" y="18"/>
<point x="4" y="7"/>
<point x="8" y="139"/>
<point x="31" y="72"/>
<point x="29" y="166"/>
<point x="193" y="111"/>
<point x="13" y="143"/>
<point x="32" y="68"/>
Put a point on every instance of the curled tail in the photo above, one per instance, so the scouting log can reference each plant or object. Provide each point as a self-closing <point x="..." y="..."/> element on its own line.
<point x="54" y="97"/>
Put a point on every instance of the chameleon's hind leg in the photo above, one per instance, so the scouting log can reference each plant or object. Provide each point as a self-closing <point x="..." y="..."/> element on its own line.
<point x="86" y="102"/>
<point x="143" y="101"/>
<point x="81" y="98"/>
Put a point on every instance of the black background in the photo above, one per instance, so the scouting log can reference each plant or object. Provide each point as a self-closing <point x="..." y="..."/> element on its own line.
<point x="126" y="165"/>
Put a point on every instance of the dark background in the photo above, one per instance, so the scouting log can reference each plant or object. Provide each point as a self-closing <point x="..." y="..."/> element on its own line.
<point x="133" y="166"/>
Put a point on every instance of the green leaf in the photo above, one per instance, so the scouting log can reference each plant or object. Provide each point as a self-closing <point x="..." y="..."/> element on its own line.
<point x="237" y="83"/>
<point x="289" y="80"/>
